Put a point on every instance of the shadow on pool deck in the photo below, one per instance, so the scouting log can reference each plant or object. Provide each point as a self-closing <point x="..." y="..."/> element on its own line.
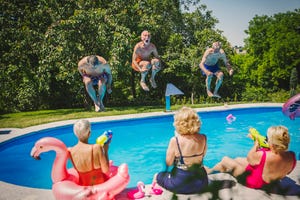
<point x="229" y="188"/>
<point x="2" y="132"/>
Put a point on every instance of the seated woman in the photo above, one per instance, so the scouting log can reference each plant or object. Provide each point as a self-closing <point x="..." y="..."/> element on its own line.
<point x="263" y="166"/>
<point x="186" y="151"/>
<point x="90" y="160"/>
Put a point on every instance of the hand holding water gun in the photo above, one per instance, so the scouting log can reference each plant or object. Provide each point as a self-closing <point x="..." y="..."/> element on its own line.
<point x="262" y="140"/>
<point x="104" y="138"/>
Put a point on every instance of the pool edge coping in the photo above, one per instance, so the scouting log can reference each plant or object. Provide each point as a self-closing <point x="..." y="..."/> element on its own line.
<point x="16" y="132"/>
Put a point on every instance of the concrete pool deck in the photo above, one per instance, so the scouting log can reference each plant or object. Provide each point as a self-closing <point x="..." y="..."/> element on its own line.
<point x="230" y="188"/>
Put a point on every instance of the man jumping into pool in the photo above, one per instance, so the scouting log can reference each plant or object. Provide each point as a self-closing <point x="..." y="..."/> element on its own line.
<point x="209" y="67"/>
<point x="142" y="60"/>
<point x="95" y="71"/>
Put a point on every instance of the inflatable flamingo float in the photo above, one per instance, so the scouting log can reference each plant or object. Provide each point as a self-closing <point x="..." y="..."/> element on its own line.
<point x="155" y="189"/>
<point x="65" y="180"/>
<point x="291" y="108"/>
<point x="137" y="193"/>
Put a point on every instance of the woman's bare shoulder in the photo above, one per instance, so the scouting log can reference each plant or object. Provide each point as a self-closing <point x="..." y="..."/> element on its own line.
<point x="97" y="147"/>
<point x="202" y="135"/>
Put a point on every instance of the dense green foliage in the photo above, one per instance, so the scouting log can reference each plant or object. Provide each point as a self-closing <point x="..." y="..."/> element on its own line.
<point x="42" y="41"/>
<point x="273" y="48"/>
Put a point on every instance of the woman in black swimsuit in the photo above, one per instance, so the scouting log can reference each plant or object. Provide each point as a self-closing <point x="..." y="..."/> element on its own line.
<point x="185" y="153"/>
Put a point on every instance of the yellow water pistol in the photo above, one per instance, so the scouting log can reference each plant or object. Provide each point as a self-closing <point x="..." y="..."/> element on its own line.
<point x="262" y="140"/>
<point x="104" y="138"/>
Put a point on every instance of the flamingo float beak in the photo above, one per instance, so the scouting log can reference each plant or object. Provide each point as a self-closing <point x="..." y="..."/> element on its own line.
<point x="34" y="154"/>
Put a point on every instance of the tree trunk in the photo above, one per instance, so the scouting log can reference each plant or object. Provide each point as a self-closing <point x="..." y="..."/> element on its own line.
<point x="133" y="83"/>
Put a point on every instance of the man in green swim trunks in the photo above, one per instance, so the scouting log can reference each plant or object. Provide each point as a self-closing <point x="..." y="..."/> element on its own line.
<point x="209" y="67"/>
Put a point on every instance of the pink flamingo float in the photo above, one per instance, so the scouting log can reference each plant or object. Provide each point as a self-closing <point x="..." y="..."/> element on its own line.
<point x="65" y="180"/>
<point x="291" y="107"/>
<point x="137" y="193"/>
<point x="140" y="191"/>
<point x="156" y="190"/>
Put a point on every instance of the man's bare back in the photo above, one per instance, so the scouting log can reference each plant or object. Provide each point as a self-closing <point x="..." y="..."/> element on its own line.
<point x="93" y="70"/>
<point x="96" y="71"/>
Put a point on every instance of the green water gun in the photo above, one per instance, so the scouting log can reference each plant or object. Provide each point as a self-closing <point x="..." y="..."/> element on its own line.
<point x="262" y="140"/>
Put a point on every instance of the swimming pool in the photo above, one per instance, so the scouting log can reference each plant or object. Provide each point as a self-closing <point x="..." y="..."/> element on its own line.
<point x="141" y="143"/>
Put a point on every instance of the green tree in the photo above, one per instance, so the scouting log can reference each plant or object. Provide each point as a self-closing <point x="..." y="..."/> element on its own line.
<point x="272" y="52"/>
<point x="20" y="45"/>
<point x="293" y="82"/>
<point x="44" y="40"/>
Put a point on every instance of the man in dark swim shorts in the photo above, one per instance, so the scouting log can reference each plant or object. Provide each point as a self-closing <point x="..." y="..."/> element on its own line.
<point x="209" y="67"/>
<point x="95" y="71"/>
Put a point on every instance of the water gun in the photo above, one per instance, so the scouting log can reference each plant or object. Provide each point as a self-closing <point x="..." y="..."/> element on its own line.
<point x="104" y="138"/>
<point x="261" y="139"/>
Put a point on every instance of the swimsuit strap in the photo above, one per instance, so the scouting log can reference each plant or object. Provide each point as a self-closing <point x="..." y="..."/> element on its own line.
<point x="263" y="159"/>
<point x="181" y="157"/>
<point x="92" y="158"/>
<point x="72" y="160"/>
<point x="294" y="161"/>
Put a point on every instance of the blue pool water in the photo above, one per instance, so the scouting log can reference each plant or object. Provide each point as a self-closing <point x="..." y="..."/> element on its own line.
<point x="141" y="143"/>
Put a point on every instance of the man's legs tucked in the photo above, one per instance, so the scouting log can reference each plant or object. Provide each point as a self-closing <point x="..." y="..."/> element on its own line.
<point x="145" y="65"/>
<point x="143" y="81"/>
<point x="155" y="68"/>
<point x="208" y="83"/>
<point x="219" y="81"/>
<point x="92" y="93"/>
<point x="152" y="79"/>
<point x="101" y="91"/>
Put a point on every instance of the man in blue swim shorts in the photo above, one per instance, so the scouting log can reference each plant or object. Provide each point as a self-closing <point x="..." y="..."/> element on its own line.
<point x="209" y="67"/>
<point x="95" y="71"/>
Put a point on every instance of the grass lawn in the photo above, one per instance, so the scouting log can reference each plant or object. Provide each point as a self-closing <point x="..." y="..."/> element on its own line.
<point x="26" y="119"/>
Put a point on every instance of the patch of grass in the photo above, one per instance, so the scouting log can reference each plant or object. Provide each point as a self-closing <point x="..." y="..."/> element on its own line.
<point x="26" y="119"/>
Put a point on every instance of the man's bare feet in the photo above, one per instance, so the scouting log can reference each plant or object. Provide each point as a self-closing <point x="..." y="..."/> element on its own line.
<point x="209" y="93"/>
<point x="153" y="83"/>
<point x="109" y="90"/>
<point x="97" y="108"/>
<point x="102" y="108"/>
<point x="144" y="86"/>
<point x="217" y="95"/>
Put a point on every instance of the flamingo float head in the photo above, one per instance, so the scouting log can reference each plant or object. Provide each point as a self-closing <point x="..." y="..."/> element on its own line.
<point x="47" y="144"/>
<point x="59" y="170"/>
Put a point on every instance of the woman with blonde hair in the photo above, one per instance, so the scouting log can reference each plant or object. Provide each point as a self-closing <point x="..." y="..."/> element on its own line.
<point x="263" y="166"/>
<point x="185" y="152"/>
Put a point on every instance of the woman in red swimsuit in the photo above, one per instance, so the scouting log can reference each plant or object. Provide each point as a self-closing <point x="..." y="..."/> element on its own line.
<point x="263" y="166"/>
<point x="90" y="160"/>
